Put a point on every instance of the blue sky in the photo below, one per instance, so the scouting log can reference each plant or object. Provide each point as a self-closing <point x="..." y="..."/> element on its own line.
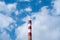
<point x="45" y="16"/>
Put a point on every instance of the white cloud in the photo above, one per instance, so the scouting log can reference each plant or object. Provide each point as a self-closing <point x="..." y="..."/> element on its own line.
<point x="56" y="7"/>
<point x="28" y="9"/>
<point x="11" y="7"/>
<point x="3" y="7"/>
<point x="44" y="10"/>
<point x="19" y="12"/>
<point x="7" y="9"/>
<point x="16" y="12"/>
<point x="5" y="21"/>
<point x="4" y="36"/>
<point x="22" y="30"/>
<point x="44" y="26"/>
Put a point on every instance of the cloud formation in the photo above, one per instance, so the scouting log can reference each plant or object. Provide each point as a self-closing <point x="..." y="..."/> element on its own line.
<point x="44" y="26"/>
<point x="56" y="7"/>
<point x="5" y="20"/>
<point x="7" y="9"/>
<point x="3" y="8"/>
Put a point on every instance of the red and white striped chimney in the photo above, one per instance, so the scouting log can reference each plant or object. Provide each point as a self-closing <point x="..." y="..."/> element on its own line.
<point x="29" y="30"/>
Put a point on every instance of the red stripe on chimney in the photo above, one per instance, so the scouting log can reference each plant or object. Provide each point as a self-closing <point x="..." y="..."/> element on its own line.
<point x="29" y="34"/>
<point x="29" y="27"/>
<point x="29" y="22"/>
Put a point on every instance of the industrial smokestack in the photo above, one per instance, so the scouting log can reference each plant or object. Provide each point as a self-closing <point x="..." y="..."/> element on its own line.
<point x="29" y="30"/>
